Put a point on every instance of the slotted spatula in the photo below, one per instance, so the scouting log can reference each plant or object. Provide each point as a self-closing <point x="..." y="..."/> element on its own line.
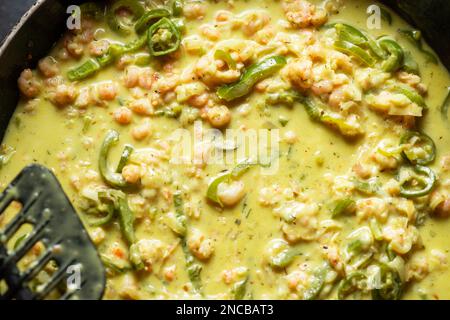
<point x="55" y="223"/>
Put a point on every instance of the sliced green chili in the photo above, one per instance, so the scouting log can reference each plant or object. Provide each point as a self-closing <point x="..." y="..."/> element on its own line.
<point x="343" y="206"/>
<point x="118" y="267"/>
<point x="392" y="285"/>
<point x="114" y="179"/>
<point x="150" y="18"/>
<point x="415" y="37"/>
<point x="164" y="37"/>
<point x="226" y="57"/>
<point x="395" y="57"/>
<point x="251" y="76"/>
<point x="419" y="184"/>
<point x="118" y="25"/>
<point x="367" y="187"/>
<point x="94" y="65"/>
<point x="355" y="51"/>
<point x="284" y="258"/>
<point x="355" y="281"/>
<point x="126" y="154"/>
<point x="237" y="172"/>
<point x="445" y="107"/>
<point x="409" y="64"/>
<point x="317" y="284"/>
<point x="414" y="138"/>
<point x="107" y="205"/>
<point x="350" y="34"/>
<point x="126" y="220"/>
<point x="177" y="8"/>
<point x="240" y="289"/>
<point x="411" y="94"/>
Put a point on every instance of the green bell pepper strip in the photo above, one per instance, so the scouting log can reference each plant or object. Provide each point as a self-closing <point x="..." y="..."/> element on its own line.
<point x="177" y="8"/>
<point x="355" y="51"/>
<point x="348" y="33"/>
<point x="149" y="18"/>
<point x="126" y="220"/>
<point x="126" y="154"/>
<point x="240" y="289"/>
<point x="116" y="24"/>
<point x="317" y="285"/>
<point x="415" y="37"/>
<point x="109" y="209"/>
<point x="284" y="258"/>
<point x="428" y="146"/>
<point x="425" y="176"/>
<point x="164" y="37"/>
<point x="445" y="107"/>
<point x="112" y="178"/>
<point x="409" y="64"/>
<point x="353" y="282"/>
<point x="237" y="172"/>
<point x="411" y="94"/>
<point x="343" y="206"/>
<point x="396" y="55"/>
<point x="92" y="66"/>
<point x="226" y="57"/>
<point x="251" y="76"/>
<point x="392" y="285"/>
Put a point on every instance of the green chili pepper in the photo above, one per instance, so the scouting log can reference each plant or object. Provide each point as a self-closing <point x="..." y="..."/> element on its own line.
<point x="411" y="94"/>
<point x="107" y="204"/>
<point x="392" y="285"/>
<point x="118" y="25"/>
<point x="240" y="289"/>
<point x="177" y="8"/>
<point x="87" y="69"/>
<point x="238" y="171"/>
<point x="316" y="111"/>
<point x="409" y="64"/>
<point x="415" y="37"/>
<point x="413" y="138"/>
<point x="355" y="51"/>
<point x="92" y="66"/>
<point x="126" y="220"/>
<point x="251" y="76"/>
<point x="226" y="57"/>
<point x="126" y="154"/>
<point x="116" y="266"/>
<point x="163" y="38"/>
<point x="343" y="206"/>
<point x="284" y="258"/>
<point x="445" y="107"/>
<point x="317" y="285"/>
<point x="419" y="184"/>
<point x="367" y="187"/>
<point x="355" y="281"/>
<point x="350" y="34"/>
<point x="114" y="179"/>
<point x="287" y="98"/>
<point x="396" y="54"/>
<point x="193" y="268"/>
<point x="149" y="18"/>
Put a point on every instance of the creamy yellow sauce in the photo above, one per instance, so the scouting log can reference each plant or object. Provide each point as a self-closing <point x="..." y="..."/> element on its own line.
<point x="68" y="139"/>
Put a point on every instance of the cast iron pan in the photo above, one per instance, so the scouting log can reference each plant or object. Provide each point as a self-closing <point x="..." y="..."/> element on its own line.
<point x="44" y="23"/>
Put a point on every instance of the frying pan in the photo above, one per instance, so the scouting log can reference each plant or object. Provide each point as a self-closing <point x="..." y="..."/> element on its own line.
<point x="43" y="24"/>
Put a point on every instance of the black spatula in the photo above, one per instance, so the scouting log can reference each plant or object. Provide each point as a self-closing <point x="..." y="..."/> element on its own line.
<point x="55" y="223"/>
